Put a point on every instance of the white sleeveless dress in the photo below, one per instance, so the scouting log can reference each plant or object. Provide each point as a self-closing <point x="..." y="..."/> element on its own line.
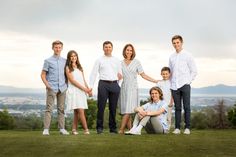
<point x="75" y="97"/>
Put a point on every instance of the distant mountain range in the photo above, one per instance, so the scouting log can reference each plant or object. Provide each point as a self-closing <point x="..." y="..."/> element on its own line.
<point x="211" y="90"/>
<point x="217" y="89"/>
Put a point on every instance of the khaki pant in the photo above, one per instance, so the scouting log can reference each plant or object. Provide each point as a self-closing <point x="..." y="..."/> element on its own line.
<point x="51" y="95"/>
<point x="142" y="121"/>
<point x="151" y="123"/>
<point x="154" y="126"/>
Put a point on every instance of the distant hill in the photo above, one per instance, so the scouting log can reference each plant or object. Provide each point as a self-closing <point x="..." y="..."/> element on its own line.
<point x="217" y="89"/>
<point x="10" y="89"/>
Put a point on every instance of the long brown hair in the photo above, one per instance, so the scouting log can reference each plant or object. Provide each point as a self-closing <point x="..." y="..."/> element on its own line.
<point x="158" y="90"/>
<point x="69" y="63"/>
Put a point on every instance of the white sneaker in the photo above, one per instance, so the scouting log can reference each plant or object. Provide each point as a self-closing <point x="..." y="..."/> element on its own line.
<point x="45" y="132"/>
<point x="64" y="132"/>
<point x="137" y="130"/>
<point x="187" y="131"/>
<point x="131" y="130"/>
<point x="176" y="131"/>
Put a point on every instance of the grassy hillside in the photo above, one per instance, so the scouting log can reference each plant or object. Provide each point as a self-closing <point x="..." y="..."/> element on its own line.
<point x="210" y="143"/>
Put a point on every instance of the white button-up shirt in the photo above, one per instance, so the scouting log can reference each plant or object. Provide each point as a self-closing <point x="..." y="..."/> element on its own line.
<point x="183" y="69"/>
<point x="108" y="69"/>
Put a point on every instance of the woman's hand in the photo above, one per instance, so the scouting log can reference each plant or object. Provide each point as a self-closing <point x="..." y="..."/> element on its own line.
<point x="90" y="93"/>
<point x="87" y="90"/>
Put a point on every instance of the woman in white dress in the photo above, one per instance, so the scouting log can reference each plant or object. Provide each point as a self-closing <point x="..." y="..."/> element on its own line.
<point x="76" y="98"/>
<point x="129" y="99"/>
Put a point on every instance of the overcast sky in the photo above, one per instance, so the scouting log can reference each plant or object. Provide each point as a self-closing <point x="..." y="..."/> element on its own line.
<point x="28" y="27"/>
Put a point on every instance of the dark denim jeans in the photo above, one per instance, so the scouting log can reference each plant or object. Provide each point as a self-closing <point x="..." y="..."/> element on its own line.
<point x="110" y="91"/>
<point x="182" y="95"/>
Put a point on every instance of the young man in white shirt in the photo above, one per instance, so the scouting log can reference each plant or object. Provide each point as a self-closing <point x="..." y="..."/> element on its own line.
<point x="109" y="70"/>
<point x="183" y="72"/>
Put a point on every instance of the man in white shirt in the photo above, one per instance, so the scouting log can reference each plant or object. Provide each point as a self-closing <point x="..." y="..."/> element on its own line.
<point x="109" y="70"/>
<point x="184" y="71"/>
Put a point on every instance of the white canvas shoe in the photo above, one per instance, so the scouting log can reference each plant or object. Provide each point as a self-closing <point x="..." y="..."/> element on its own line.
<point x="137" y="130"/>
<point x="187" y="131"/>
<point x="131" y="130"/>
<point x="176" y="131"/>
<point x="45" y="132"/>
<point x="64" y="132"/>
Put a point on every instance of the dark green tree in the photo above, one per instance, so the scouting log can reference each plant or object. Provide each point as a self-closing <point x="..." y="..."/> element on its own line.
<point x="199" y="120"/>
<point x="6" y="120"/>
<point x="91" y="113"/>
<point x="232" y="116"/>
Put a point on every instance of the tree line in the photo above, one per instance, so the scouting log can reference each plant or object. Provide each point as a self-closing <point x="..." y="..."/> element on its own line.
<point x="217" y="117"/>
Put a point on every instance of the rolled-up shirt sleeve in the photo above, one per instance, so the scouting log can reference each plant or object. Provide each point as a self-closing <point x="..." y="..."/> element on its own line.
<point x="45" y="65"/>
<point x="145" y="106"/>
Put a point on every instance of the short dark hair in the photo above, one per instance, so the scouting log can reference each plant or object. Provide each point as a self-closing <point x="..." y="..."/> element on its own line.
<point x="177" y="37"/>
<point x="133" y="51"/>
<point x="165" y="69"/>
<point x="56" y="42"/>
<point x="107" y="42"/>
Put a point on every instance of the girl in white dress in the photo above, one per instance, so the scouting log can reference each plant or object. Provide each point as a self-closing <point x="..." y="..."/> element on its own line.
<point x="76" y="98"/>
<point x="129" y="98"/>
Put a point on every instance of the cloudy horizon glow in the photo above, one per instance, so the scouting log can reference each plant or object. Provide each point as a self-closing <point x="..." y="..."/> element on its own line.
<point x="27" y="31"/>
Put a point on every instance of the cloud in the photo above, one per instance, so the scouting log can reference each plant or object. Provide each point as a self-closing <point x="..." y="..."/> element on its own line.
<point x="29" y="27"/>
<point x="207" y="29"/>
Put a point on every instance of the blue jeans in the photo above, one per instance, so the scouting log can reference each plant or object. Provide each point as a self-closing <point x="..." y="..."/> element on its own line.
<point x="182" y="95"/>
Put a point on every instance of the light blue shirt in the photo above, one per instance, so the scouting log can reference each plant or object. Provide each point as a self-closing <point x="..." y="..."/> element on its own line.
<point x="55" y="73"/>
<point x="157" y="106"/>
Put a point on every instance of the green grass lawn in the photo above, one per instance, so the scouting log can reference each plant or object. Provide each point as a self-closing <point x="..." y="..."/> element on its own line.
<point x="209" y="143"/>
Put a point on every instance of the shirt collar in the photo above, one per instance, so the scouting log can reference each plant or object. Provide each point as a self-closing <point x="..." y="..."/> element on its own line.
<point x="181" y="52"/>
<point x="56" y="57"/>
<point x="156" y="102"/>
